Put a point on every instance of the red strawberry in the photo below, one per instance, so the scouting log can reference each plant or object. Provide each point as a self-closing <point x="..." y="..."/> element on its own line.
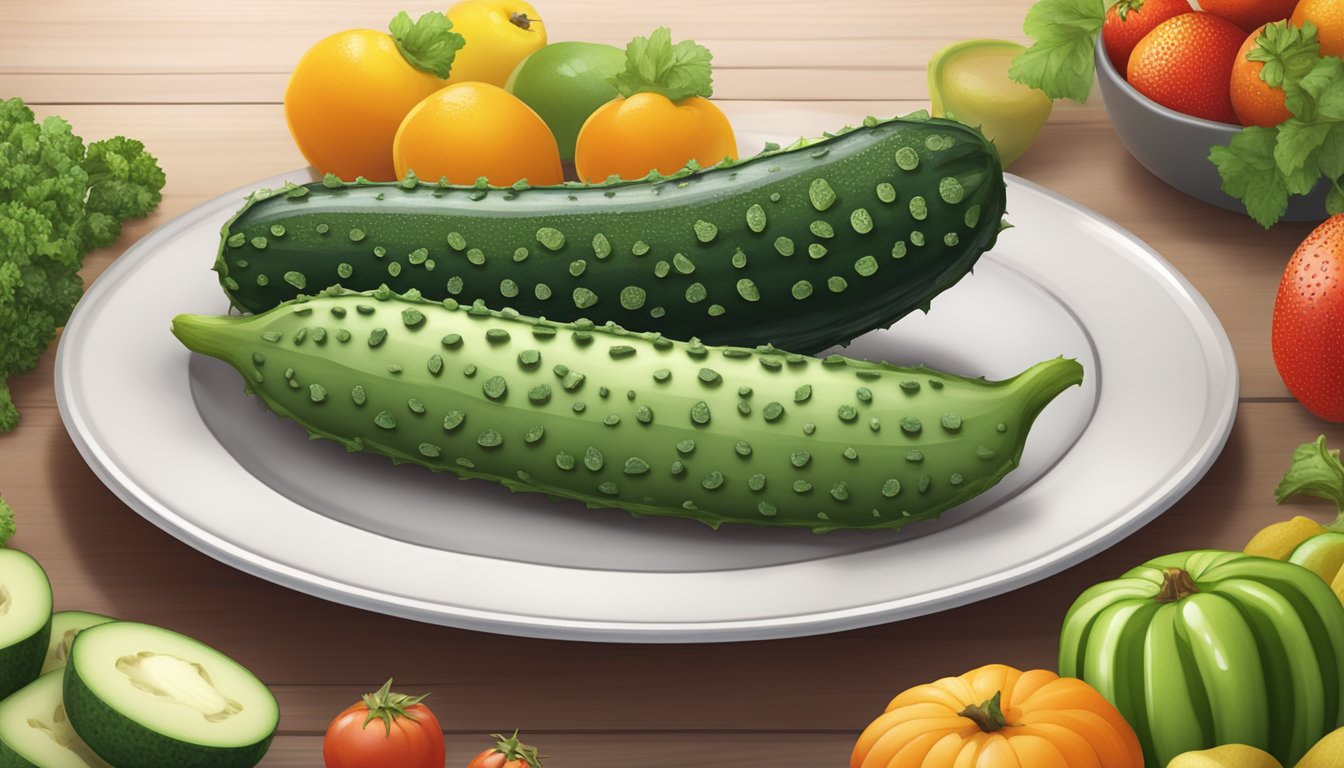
<point x="1308" y="337"/>
<point x="1186" y="64"/>
<point x="1129" y="20"/>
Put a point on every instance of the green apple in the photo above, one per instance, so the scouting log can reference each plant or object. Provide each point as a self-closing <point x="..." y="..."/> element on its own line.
<point x="565" y="83"/>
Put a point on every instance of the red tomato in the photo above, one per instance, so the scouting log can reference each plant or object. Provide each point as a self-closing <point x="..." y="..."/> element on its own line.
<point x="507" y="753"/>
<point x="384" y="729"/>
<point x="1308" y="335"/>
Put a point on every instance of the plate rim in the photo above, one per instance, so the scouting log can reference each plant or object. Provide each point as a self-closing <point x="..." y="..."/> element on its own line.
<point x="1160" y="497"/>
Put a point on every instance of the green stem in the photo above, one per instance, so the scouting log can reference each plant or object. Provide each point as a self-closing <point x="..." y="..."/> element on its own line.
<point x="512" y="749"/>
<point x="1126" y="7"/>
<point x="387" y="706"/>
<point x="987" y="716"/>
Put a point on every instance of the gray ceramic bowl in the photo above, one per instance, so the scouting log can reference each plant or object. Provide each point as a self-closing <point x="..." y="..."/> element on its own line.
<point x="1175" y="147"/>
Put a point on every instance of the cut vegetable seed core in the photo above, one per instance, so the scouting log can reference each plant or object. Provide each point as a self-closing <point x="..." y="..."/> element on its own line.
<point x="181" y="682"/>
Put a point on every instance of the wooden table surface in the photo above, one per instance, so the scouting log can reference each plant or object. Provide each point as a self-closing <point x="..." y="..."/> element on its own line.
<point x="200" y="83"/>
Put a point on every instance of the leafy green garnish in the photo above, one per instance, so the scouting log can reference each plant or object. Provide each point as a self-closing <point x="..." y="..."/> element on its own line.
<point x="58" y="201"/>
<point x="428" y="44"/>
<point x="1315" y="471"/>
<point x="1262" y="167"/>
<point x="654" y="65"/>
<point x="7" y="527"/>
<point x="1059" y="61"/>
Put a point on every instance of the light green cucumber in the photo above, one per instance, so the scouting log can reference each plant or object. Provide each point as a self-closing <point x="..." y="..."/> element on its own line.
<point x="25" y="619"/>
<point x="64" y="626"/>
<point x="36" y="733"/>
<point x="148" y="697"/>
<point x="803" y="248"/>
<point x="634" y="421"/>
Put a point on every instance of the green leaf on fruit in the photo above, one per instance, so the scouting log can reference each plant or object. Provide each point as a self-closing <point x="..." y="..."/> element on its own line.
<point x="428" y="44"/>
<point x="1263" y="166"/>
<point x="654" y="65"/>
<point x="1287" y="52"/>
<point x="1059" y="61"/>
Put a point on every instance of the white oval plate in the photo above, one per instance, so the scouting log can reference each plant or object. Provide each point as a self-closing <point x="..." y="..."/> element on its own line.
<point x="175" y="438"/>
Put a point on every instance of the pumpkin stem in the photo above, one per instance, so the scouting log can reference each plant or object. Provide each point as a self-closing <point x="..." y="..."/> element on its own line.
<point x="988" y="716"/>
<point x="1177" y="585"/>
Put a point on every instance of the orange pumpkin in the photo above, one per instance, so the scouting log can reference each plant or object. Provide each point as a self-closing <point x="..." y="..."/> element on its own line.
<point x="999" y="717"/>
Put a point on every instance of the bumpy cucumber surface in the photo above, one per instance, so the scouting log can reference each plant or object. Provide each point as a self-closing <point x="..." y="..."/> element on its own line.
<point x="636" y="421"/>
<point x="801" y="248"/>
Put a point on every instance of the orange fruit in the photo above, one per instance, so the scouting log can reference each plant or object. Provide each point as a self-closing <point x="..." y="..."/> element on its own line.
<point x="472" y="130"/>
<point x="1249" y="14"/>
<point x="1253" y="100"/>
<point x="1186" y="63"/>
<point x="1328" y="16"/>
<point x="628" y="137"/>
<point x="346" y="98"/>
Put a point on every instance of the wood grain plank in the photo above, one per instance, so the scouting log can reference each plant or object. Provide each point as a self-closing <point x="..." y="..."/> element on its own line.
<point x="621" y="750"/>
<point x="262" y="36"/>
<point x="777" y="84"/>
<point x="105" y="558"/>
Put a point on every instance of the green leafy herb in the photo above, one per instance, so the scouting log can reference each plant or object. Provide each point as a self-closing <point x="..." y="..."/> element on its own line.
<point x="1262" y="167"/>
<point x="7" y="527"/>
<point x="654" y="65"/>
<point x="1059" y="61"/>
<point x="1315" y="471"/>
<point x="1250" y="174"/>
<point x="57" y="203"/>
<point x="429" y="44"/>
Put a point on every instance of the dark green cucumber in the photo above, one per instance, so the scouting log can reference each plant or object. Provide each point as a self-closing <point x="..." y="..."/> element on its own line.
<point x="635" y="421"/>
<point x="802" y="248"/>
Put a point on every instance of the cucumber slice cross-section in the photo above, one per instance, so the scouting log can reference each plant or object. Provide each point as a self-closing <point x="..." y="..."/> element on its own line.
<point x="35" y="732"/>
<point x="149" y="697"/>
<point x="25" y="619"/>
<point x="64" y="626"/>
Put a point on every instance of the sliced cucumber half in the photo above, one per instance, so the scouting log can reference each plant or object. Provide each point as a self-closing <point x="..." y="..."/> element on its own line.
<point x="35" y="732"/>
<point x="64" y="626"/>
<point x="152" y="698"/>
<point x="25" y="619"/>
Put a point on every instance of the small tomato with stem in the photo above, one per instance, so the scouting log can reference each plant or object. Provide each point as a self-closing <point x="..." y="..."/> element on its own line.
<point x="662" y="119"/>
<point x="507" y="753"/>
<point x="384" y="729"/>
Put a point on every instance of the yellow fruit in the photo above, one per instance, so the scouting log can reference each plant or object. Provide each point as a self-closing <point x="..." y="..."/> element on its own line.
<point x="346" y="98"/>
<point x="472" y="130"/>
<point x="970" y="81"/>
<point x="499" y="34"/>
<point x="1338" y="585"/>
<point x="1328" y="752"/>
<point x="1226" y="756"/>
<point x="1278" y="541"/>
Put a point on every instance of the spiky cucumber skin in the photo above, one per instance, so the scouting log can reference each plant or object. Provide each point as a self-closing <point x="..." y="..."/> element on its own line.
<point x="122" y="741"/>
<point x="634" y="421"/>
<point x="802" y="248"/>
